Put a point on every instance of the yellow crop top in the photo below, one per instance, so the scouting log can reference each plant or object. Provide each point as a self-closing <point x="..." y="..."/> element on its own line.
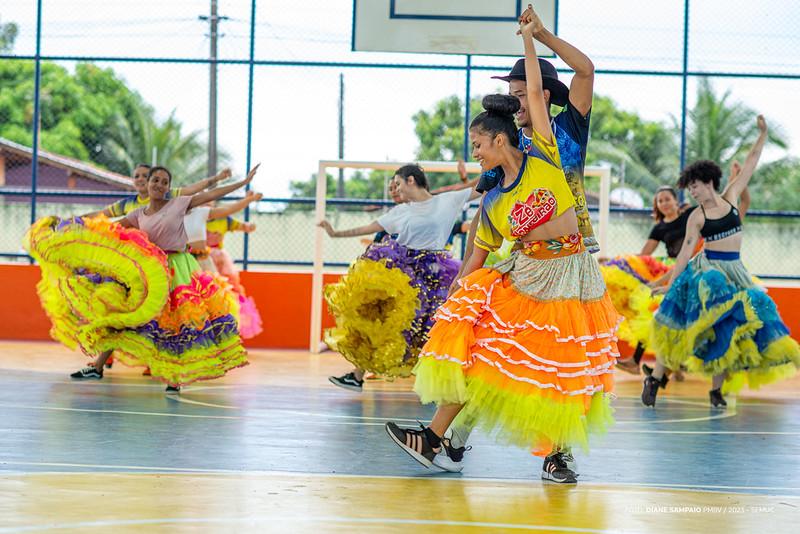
<point x="538" y="195"/>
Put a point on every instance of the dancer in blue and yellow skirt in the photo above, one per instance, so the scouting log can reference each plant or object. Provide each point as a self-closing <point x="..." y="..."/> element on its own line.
<point x="525" y="348"/>
<point x="631" y="278"/>
<point x="713" y="318"/>
<point x="110" y="288"/>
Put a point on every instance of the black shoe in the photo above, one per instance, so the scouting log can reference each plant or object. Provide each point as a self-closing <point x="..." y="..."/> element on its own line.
<point x="414" y="442"/>
<point x="348" y="381"/>
<point x="649" y="371"/>
<point x="649" y="391"/>
<point x="173" y="389"/>
<point x="87" y="373"/>
<point x="716" y="398"/>
<point x="555" y="469"/>
<point x="450" y="458"/>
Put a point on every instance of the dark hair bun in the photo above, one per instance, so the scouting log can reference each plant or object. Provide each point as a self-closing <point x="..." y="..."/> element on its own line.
<point x="501" y="104"/>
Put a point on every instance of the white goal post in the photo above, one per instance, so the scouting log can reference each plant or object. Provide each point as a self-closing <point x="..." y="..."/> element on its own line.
<point x="315" y="339"/>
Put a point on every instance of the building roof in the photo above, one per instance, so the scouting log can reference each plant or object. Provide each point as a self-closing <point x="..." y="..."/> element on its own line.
<point x="75" y="166"/>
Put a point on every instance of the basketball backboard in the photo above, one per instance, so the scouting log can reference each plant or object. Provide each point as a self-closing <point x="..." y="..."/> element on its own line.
<point x="478" y="27"/>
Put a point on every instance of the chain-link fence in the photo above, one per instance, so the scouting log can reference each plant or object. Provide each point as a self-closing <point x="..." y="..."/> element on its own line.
<point x="90" y="88"/>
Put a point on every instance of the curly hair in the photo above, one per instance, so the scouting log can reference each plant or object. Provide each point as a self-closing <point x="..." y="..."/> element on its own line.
<point x="705" y="171"/>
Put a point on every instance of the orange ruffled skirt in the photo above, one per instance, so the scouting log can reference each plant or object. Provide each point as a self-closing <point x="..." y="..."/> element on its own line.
<point x="528" y="347"/>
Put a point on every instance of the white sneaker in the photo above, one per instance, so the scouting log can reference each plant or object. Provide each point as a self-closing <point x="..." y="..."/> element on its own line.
<point x="450" y="458"/>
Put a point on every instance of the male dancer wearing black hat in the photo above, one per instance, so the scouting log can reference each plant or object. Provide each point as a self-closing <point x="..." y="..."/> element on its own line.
<point x="570" y="127"/>
<point x="571" y="130"/>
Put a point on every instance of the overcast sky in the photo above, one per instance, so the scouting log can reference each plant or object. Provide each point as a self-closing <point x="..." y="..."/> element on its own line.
<point x="295" y="109"/>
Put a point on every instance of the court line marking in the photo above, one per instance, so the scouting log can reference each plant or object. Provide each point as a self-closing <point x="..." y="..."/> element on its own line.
<point x="589" y="486"/>
<point x="122" y="412"/>
<point x="723" y="432"/>
<point x="183" y="399"/>
<point x="377" y="392"/>
<point x="382" y="421"/>
<point x="300" y="519"/>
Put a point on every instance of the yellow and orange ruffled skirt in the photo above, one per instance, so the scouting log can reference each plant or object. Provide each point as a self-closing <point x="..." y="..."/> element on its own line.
<point x="528" y="347"/>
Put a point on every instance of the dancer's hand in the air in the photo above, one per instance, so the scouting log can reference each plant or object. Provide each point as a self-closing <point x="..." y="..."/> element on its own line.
<point x="325" y="225"/>
<point x="762" y="124"/>
<point x="736" y="168"/>
<point x="252" y="174"/>
<point x="530" y="18"/>
<point x="222" y="175"/>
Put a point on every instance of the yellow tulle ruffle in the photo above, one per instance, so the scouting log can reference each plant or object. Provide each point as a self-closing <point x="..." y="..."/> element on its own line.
<point x="83" y="310"/>
<point x="373" y="305"/>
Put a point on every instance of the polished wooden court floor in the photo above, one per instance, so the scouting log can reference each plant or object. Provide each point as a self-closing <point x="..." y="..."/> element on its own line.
<point x="274" y="447"/>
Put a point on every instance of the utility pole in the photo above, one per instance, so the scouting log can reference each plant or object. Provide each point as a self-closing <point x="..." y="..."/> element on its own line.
<point x="213" y="21"/>
<point x="340" y="184"/>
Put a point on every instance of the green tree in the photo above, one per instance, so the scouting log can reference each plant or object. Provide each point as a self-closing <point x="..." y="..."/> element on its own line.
<point x="362" y="185"/>
<point x="721" y="130"/>
<point x="92" y="115"/>
<point x="8" y="34"/>
<point x="135" y="138"/>
<point x="776" y="185"/>
<point x="440" y="132"/>
<point x="643" y="154"/>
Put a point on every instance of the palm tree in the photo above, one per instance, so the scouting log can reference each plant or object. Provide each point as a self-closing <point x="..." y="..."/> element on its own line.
<point x="138" y="138"/>
<point x="721" y="130"/>
<point x="776" y="185"/>
<point x="642" y="154"/>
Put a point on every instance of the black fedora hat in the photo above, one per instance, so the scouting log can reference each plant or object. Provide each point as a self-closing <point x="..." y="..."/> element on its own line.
<point x="559" y="93"/>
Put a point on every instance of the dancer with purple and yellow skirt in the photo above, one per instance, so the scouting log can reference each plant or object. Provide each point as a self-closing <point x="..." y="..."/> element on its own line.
<point x="526" y="348"/>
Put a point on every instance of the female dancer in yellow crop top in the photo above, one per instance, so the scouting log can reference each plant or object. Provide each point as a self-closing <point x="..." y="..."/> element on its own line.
<point x="528" y="346"/>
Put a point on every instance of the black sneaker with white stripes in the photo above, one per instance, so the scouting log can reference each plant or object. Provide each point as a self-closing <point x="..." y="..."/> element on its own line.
<point x="348" y="381"/>
<point x="173" y="389"/>
<point x="414" y="442"/>
<point x="87" y="373"/>
<point x="555" y="470"/>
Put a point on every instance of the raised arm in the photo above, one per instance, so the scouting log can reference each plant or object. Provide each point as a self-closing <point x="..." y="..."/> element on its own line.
<point x="734" y="190"/>
<point x="207" y="196"/>
<point x="371" y="228"/>
<point x="540" y="116"/>
<point x="211" y="181"/>
<point x="456" y="187"/>
<point x="744" y="198"/>
<point x="582" y="86"/>
<point x="465" y="181"/>
<point x="234" y="207"/>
